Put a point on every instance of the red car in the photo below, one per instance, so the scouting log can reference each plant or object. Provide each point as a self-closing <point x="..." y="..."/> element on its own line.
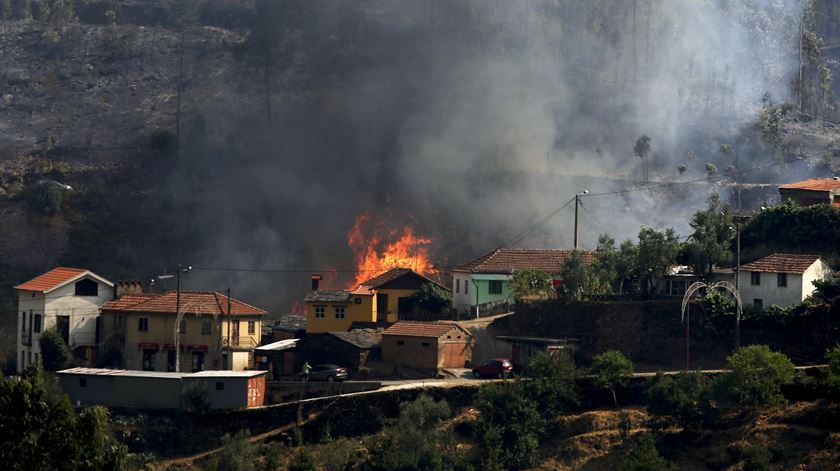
<point x="494" y="368"/>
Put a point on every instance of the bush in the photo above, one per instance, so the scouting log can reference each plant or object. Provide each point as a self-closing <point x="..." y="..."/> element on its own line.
<point x="432" y="298"/>
<point x="610" y="370"/>
<point x="237" y="454"/>
<point x="46" y="197"/>
<point x="677" y="397"/>
<point x="551" y="382"/>
<point x="757" y="375"/>
<point x="643" y="456"/>
<point x="55" y="354"/>
<point x="756" y="458"/>
<point x="832" y="374"/>
<point x="302" y="461"/>
<point x="509" y="425"/>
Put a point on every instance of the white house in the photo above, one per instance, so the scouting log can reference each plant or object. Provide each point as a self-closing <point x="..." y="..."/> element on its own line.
<point x="67" y="299"/>
<point x="781" y="279"/>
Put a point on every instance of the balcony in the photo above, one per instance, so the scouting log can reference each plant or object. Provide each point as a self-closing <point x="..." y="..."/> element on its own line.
<point x="241" y="343"/>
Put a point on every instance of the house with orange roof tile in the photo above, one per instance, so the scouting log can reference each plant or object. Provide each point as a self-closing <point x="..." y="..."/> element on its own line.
<point x="427" y="345"/>
<point x="813" y="191"/>
<point x="65" y="299"/>
<point x="781" y="279"/>
<point x="214" y="332"/>
<point x="385" y="298"/>
<point x="487" y="279"/>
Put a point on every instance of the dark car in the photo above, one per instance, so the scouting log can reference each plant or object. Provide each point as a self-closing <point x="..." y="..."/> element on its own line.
<point x="494" y="368"/>
<point x="326" y="373"/>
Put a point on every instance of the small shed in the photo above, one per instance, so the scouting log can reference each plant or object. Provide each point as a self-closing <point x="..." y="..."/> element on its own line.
<point x="427" y="345"/>
<point x="520" y="348"/>
<point x="351" y="349"/>
<point x="122" y="388"/>
<point x="229" y="389"/>
<point x="277" y="357"/>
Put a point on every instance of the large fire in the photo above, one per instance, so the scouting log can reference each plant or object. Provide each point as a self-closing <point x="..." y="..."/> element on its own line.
<point x="378" y="250"/>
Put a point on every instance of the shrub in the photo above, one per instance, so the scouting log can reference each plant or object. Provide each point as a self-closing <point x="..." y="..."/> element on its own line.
<point x="509" y="425"/>
<point x="302" y="461"/>
<point x="677" y="397"/>
<point x="551" y="382"/>
<point x="832" y="374"/>
<point x="756" y="458"/>
<point x="643" y="456"/>
<point x="45" y="197"/>
<point x="610" y="370"/>
<point x="757" y="375"/>
<point x="237" y="454"/>
<point x="55" y="354"/>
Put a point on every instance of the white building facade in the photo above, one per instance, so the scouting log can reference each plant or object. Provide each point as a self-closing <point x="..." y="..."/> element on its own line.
<point x="781" y="279"/>
<point x="65" y="299"/>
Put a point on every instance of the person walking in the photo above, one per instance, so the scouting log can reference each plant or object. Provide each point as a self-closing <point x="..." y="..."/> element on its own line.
<point x="306" y="369"/>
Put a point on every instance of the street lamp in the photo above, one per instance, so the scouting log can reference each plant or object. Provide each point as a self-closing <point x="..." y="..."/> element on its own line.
<point x="178" y="315"/>
<point x="697" y="286"/>
<point x="577" y="203"/>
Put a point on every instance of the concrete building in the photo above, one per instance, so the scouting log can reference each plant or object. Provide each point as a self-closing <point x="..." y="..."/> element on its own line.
<point x="781" y="279"/>
<point x="385" y="298"/>
<point x="427" y="345"/>
<point x="813" y="191"/>
<point x="65" y="299"/>
<point x="140" y="331"/>
<point x="487" y="279"/>
<point x="222" y="390"/>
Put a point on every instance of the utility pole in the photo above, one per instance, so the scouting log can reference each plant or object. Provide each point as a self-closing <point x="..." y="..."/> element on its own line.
<point x="178" y="316"/>
<point x="577" y="204"/>
<point x="230" y="347"/>
<point x="738" y="282"/>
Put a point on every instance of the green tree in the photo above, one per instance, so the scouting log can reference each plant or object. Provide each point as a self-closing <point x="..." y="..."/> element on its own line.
<point x="610" y="370"/>
<point x="55" y="354"/>
<point x="509" y="425"/>
<point x="832" y="373"/>
<point x="643" y="456"/>
<point x="679" y="398"/>
<point x="535" y="283"/>
<point x="574" y="277"/>
<point x="757" y="374"/>
<point x="551" y="382"/>
<point x="710" y="243"/>
<point x="432" y="298"/>
<point x="656" y="253"/>
<point x="642" y="150"/>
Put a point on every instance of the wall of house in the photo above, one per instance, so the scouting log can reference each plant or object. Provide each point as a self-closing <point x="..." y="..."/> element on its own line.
<point x="805" y="197"/>
<point x="768" y="291"/>
<point x="818" y="271"/>
<point x="122" y="391"/>
<point x="414" y="352"/>
<point x="460" y="299"/>
<point x="234" y="392"/>
<point x="393" y="301"/>
<point x="81" y="310"/>
<point x="482" y="287"/>
<point x="454" y="350"/>
<point x="327" y="349"/>
<point x="363" y="311"/>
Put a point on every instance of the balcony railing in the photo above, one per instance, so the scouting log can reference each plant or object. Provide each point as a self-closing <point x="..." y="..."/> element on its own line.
<point x="242" y="343"/>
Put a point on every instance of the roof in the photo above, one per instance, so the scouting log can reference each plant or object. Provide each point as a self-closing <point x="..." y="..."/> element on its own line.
<point x="290" y="323"/>
<point x="160" y="374"/>
<point x="198" y="302"/>
<point x="278" y="346"/>
<point x="782" y="263"/>
<point x="362" y="338"/>
<point x="58" y="277"/>
<point x="814" y="184"/>
<point x="328" y="296"/>
<point x="421" y="329"/>
<point x="506" y="261"/>
<point x="392" y="275"/>
<point x="544" y="340"/>
<point x="225" y="374"/>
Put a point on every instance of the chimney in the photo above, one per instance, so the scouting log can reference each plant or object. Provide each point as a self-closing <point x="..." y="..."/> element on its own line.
<point x="316" y="278"/>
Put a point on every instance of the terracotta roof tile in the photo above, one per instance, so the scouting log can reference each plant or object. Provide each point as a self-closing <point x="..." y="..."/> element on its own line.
<point x="814" y="184"/>
<point x="421" y="329"/>
<point x="782" y="263"/>
<point x="392" y="275"/>
<point x="51" y="279"/>
<point x="506" y="261"/>
<point x="201" y="302"/>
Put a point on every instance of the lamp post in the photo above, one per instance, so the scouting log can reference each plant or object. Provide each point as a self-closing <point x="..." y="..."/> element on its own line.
<point x="577" y="203"/>
<point x="178" y="316"/>
<point x="697" y="286"/>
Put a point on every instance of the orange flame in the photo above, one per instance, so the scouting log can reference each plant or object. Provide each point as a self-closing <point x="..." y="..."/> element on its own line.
<point x="374" y="256"/>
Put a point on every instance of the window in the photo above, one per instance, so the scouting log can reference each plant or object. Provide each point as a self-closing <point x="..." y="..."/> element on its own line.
<point x="82" y="382"/>
<point x="358" y="300"/>
<point x="143" y="324"/>
<point x="36" y="325"/>
<point x="220" y="386"/>
<point x="319" y="312"/>
<point x="755" y="278"/>
<point x="457" y="285"/>
<point x="252" y="327"/>
<point x="339" y="313"/>
<point x="495" y="287"/>
<point x="23" y="322"/>
<point x="205" y="327"/>
<point x="148" y="359"/>
<point x="781" y="279"/>
<point x="759" y="303"/>
<point x="170" y="360"/>
<point x="400" y="342"/>
<point x="466" y="287"/>
<point x="182" y="328"/>
<point x="87" y="288"/>
<point x="426" y="344"/>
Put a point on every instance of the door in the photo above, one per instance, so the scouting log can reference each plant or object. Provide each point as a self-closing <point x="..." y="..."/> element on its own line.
<point x="381" y="308"/>
<point x="405" y="309"/>
<point x="454" y="355"/>
<point x="235" y="339"/>
<point x="148" y="359"/>
<point x="197" y="361"/>
<point x="63" y="325"/>
<point x="170" y="360"/>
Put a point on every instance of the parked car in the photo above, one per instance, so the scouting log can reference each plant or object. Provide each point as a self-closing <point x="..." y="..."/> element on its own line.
<point x="494" y="368"/>
<point x="326" y="373"/>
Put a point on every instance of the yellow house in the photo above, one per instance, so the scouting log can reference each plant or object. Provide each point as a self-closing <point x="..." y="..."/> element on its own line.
<point x="384" y="298"/>
<point x="141" y="332"/>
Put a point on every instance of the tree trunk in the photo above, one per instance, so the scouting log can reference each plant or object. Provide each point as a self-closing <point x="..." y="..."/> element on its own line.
<point x="615" y="399"/>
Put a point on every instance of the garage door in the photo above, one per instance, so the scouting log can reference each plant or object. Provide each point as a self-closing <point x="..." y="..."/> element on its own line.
<point x="454" y="355"/>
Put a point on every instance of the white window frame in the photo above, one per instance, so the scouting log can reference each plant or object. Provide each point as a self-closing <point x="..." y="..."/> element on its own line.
<point x="340" y="312"/>
<point x="320" y="312"/>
